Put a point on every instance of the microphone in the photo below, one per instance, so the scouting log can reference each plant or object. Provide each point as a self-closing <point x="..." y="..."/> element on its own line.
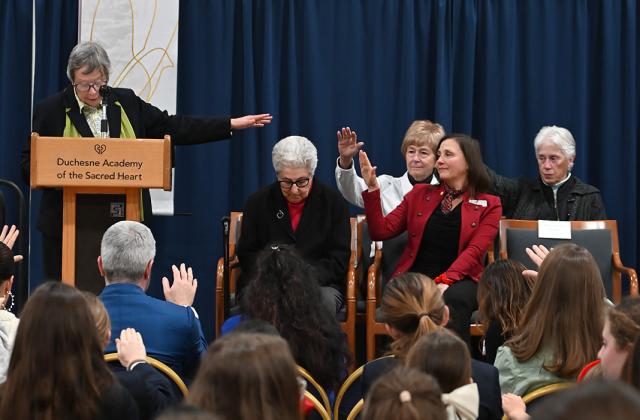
<point x="104" y="91"/>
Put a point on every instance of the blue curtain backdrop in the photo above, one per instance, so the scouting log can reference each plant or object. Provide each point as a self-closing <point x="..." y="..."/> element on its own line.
<point x="497" y="69"/>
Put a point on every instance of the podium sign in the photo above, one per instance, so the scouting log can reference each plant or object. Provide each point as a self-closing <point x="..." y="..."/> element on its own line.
<point x="96" y="162"/>
<point x="89" y="165"/>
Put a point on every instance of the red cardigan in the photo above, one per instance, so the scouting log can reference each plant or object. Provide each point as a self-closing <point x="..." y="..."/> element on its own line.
<point x="479" y="226"/>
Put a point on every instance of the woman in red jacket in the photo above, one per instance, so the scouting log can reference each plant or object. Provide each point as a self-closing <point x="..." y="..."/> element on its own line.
<point x="450" y="226"/>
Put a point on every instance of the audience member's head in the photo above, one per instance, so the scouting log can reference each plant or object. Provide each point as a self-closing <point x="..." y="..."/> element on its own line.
<point x="595" y="400"/>
<point x="57" y="368"/>
<point x="477" y="177"/>
<point x="404" y="394"/>
<point x="555" y="152"/>
<point x="621" y="329"/>
<point x="247" y="376"/>
<point x="284" y="291"/>
<point x="565" y="312"/>
<point x="444" y="356"/>
<point x="411" y="306"/>
<point x="126" y="253"/>
<point x="6" y="274"/>
<point x="419" y="148"/>
<point x="503" y="292"/>
<point x="188" y="412"/>
<point x="295" y="160"/>
<point x="101" y="317"/>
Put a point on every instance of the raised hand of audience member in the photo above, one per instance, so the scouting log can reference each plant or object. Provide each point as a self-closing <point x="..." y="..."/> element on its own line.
<point x="537" y="253"/>
<point x="130" y="348"/>
<point x="250" y="121"/>
<point x="514" y="407"/>
<point x="368" y="172"/>
<point x="348" y="146"/>
<point x="8" y="236"/>
<point x="183" y="290"/>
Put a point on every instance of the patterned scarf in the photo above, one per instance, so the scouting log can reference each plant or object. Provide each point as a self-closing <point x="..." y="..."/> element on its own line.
<point x="446" y="205"/>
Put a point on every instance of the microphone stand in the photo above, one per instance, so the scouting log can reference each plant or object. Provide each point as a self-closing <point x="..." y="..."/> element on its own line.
<point x="104" y="123"/>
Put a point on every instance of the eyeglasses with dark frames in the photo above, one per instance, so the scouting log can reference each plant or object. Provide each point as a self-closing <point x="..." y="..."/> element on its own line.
<point x="287" y="184"/>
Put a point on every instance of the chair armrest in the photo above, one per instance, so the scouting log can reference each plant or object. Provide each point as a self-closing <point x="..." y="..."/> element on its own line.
<point x="630" y="272"/>
<point x="373" y="276"/>
<point x="352" y="278"/>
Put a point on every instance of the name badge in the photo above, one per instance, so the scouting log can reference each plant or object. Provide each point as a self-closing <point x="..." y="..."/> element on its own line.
<point x="482" y="203"/>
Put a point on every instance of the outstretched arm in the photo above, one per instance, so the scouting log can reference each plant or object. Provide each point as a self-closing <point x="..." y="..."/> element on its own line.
<point x="250" y="121"/>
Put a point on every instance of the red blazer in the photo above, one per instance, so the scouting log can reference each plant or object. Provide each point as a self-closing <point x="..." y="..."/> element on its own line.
<point x="479" y="226"/>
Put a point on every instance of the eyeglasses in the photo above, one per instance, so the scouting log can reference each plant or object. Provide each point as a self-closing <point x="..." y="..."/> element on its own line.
<point x="287" y="184"/>
<point x="85" y="87"/>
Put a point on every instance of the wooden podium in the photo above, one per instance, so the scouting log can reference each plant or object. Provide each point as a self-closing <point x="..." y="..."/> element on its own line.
<point x="90" y="165"/>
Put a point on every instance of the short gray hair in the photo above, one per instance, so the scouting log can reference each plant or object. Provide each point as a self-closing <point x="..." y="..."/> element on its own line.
<point x="558" y="136"/>
<point x="126" y="249"/>
<point x="295" y="152"/>
<point x="90" y="55"/>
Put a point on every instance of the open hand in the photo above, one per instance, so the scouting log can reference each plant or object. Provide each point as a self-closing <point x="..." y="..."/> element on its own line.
<point x="130" y="347"/>
<point x="348" y="146"/>
<point x="8" y="236"/>
<point x="368" y="172"/>
<point x="183" y="290"/>
<point x="250" y="121"/>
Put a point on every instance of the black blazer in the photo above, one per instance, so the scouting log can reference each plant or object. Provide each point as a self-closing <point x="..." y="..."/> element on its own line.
<point x="322" y="236"/>
<point x="150" y="389"/>
<point x="49" y="119"/>
<point x="483" y="374"/>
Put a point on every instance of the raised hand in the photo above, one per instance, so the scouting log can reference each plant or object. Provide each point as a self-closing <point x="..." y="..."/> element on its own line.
<point x="348" y="146"/>
<point x="183" y="290"/>
<point x="537" y="253"/>
<point x="8" y="236"/>
<point x="250" y="121"/>
<point x="368" y="171"/>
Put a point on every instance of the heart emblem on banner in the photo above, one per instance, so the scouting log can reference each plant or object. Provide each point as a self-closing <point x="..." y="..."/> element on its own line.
<point x="100" y="148"/>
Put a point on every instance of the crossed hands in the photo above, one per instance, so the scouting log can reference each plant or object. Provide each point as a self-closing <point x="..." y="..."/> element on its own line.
<point x="130" y="347"/>
<point x="250" y="121"/>
<point x="183" y="290"/>
<point x="9" y="237"/>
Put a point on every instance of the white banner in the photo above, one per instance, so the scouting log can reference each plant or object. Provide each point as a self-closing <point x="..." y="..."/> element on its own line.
<point x="141" y="38"/>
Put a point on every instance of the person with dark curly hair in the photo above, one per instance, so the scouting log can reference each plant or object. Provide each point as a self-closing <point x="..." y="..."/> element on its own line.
<point x="285" y="292"/>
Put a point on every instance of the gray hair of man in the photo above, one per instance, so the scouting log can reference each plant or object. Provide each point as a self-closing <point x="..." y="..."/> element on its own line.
<point x="88" y="56"/>
<point x="126" y="249"/>
<point x="295" y="152"/>
<point x="559" y="137"/>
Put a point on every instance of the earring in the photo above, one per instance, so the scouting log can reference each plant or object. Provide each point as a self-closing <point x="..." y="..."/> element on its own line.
<point x="5" y="301"/>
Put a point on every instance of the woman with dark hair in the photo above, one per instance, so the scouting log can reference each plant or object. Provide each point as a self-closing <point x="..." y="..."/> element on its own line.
<point x="248" y="376"/>
<point x="412" y="307"/>
<point x="450" y="226"/>
<point x="561" y="328"/>
<point x="502" y="294"/>
<point x="620" y="333"/>
<point x="57" y="369"/>
<point x="285" y="292"/>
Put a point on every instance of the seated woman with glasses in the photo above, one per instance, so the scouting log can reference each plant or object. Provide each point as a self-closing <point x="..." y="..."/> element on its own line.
<point x="298" y="210"/>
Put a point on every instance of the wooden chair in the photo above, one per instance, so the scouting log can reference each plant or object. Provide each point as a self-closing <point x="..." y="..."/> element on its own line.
<point x="356" y="410"/>
<point x="166" y="370"/>
<point x="600" y="237"/>
<point x="346" y="317"/>
<point x="355" y="375"/>
<point x="374" y="326"/>
<point x="320" y="409"/>
<point x="235" y="226"/>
